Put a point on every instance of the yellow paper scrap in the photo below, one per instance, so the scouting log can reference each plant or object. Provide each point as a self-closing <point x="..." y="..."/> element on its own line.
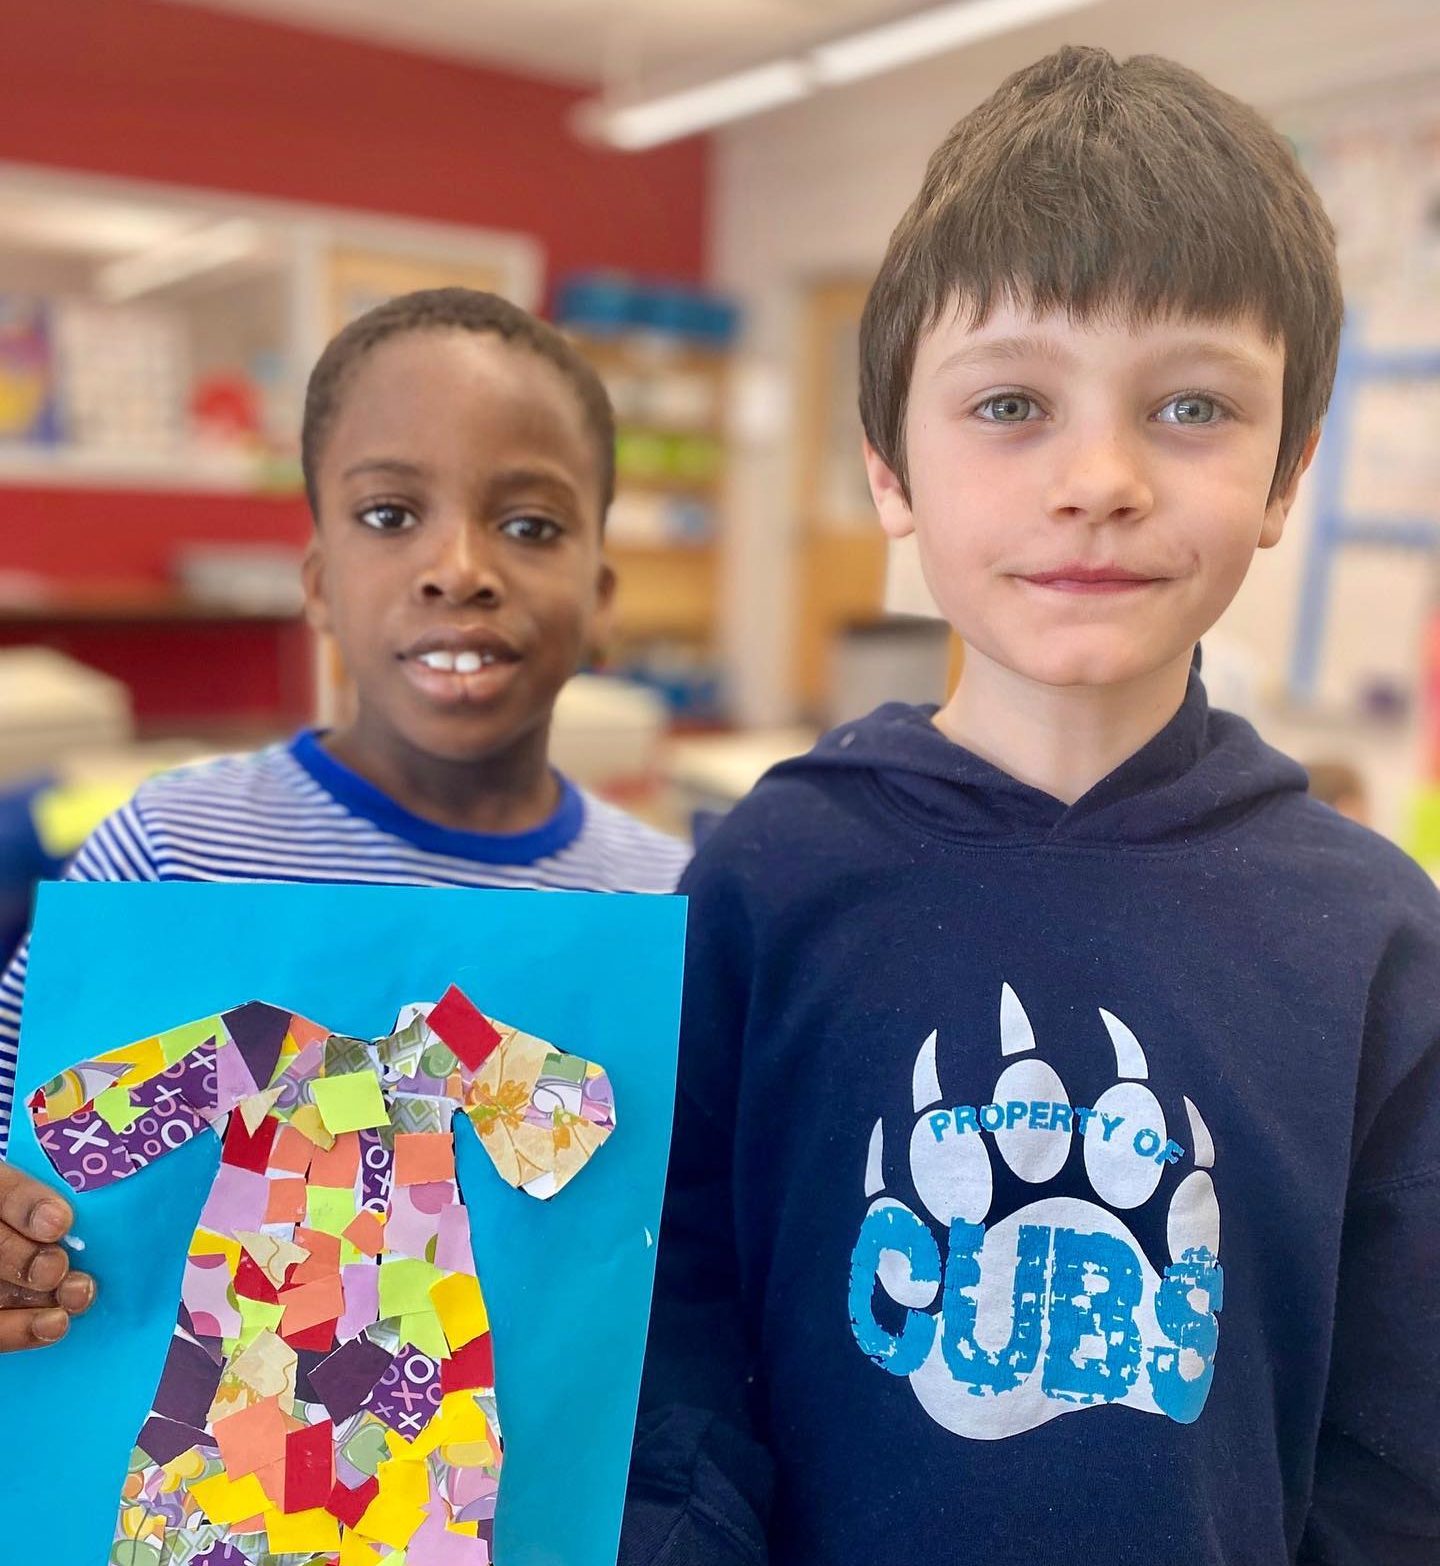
<point x="422" y="1329"/>
<point x="300" y="1533"/>
<point x="350" y="1102"/>
<point x="329" y="1209"/>
<point x="308" y="1123"/>
<point x="225" y="1500"/>
<point x="256" y="1316"/>
<point x="178" y="1042"/>
<point x="390" y="1522"/>
<point x="404" y="1479"/>
<point x="116" y="1108"/>
<point x="460" y="1421"/>
<point x="205" y="1242"/>
<point x="354" y="1551"/>
<point x="461" y="1308"/>
<point x="255" y="1108"/>
<point x="405" y="1285"/>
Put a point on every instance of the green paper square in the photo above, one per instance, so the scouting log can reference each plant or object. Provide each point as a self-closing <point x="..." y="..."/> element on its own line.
<point x="116" y="1108"/>
<point x="330" y="1210"/>
<point x="405" y="1286"/>
<point x="422" y="1329"/>
<point x="256" y="1316"/>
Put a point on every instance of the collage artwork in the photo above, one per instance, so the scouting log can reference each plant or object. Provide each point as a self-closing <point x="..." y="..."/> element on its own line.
<point x="328" y="1395"/>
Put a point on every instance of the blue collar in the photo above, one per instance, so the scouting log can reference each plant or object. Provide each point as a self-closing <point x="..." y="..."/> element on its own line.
<point x="363" y="799"/>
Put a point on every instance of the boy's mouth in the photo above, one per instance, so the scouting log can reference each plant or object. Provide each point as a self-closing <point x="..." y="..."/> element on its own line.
<point x="1078" y="578"/>
<point x="456" y="666"/>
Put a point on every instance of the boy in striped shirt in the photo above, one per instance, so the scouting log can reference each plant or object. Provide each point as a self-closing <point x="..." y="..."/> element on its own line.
<point x="459" y="462"/>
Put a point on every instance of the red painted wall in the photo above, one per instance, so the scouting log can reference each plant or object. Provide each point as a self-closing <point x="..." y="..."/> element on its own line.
<point x="188" y="96"/>
<point x="179" y="93"/>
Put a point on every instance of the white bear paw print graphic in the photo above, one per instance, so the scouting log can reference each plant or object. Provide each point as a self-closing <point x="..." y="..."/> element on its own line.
<point x="1055" y="1307"/>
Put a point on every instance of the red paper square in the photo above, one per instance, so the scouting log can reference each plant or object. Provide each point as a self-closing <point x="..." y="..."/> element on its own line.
<point x="309" y="1467"/>
<point x="320" y="1337"/>
<point x="243" y="1151"/>
<point x="251" y="1281"/>
<point x="464" y="1027"/>
<point x="349" y="1505"/>
<point x="469" y="1368"/>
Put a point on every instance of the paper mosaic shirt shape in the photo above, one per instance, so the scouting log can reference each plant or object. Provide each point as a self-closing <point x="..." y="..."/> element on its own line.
<point x="328" y="1395"/>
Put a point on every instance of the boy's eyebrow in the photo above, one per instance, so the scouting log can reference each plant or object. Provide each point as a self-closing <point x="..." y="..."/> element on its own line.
<point x="1006" y="349"/>
<point x="1003" y="350"/>
<point x="1227" y="356"/>
<point x="392" y="465"/>
<point x="508" y="479"/>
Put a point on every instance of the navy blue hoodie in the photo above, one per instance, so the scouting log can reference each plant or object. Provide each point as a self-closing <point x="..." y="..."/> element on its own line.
<point x="1049" y="1183"/>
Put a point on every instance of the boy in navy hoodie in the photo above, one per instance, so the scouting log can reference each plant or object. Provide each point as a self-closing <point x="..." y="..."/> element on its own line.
<point x="1056" y="1173"/>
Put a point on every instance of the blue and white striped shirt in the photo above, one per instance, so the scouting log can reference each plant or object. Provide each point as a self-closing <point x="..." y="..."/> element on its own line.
<point x="294" y="813"/>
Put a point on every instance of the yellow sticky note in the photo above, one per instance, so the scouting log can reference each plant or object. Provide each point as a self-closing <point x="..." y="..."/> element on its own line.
<point x="308" y="1123"/>
<point x="350" y="1102"/>
<point x="390" y="1522"/>
<point x="301" y="1533"/>
<point x="461" y="1308"/>
<point x="225" y="1501"/>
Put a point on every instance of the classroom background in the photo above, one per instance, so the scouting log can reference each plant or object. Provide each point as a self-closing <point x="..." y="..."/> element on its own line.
<point x="193" y="197"/>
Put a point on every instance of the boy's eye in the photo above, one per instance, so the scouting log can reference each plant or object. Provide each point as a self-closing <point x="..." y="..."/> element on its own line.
<point x="1191" y="408"/>
<point x="1007" y="408"/>
<point x="387" y="517"/>
<point x="531" y="530"/>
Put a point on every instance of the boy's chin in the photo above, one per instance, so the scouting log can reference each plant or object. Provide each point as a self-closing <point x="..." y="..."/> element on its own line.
<point x="1094" y="663"/>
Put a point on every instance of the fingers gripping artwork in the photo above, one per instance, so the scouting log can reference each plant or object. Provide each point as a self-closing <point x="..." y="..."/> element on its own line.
<point x="328" y="1395"/>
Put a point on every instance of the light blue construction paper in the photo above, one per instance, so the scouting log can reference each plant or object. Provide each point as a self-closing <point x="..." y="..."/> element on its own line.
<point x="567" y="1282"/>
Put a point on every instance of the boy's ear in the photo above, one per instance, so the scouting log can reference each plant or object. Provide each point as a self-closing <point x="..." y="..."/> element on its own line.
<point x="888" y="494"/>
<point x="1279" y="508"/>
<point x="312" y="581"/>
<point x="602" y="622"/>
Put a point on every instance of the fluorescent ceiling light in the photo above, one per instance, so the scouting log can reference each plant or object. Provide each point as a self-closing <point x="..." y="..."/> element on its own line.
<point x="174" y="260"/>
<point x="928" y="33"/>
<point x="941" y="28"/>
<point x="698" y="108"/>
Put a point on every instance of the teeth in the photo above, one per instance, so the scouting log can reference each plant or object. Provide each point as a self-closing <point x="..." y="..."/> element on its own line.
<point x="457" y="663"/>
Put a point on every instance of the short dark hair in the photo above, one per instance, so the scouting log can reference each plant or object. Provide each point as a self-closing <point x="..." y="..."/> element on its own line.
<point x="450" y="309"/>
<point x="1088" y="185"/>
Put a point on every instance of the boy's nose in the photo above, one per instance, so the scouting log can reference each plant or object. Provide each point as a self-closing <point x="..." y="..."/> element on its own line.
<point x="461" y="570"/>
<point x="1101" y="479"/>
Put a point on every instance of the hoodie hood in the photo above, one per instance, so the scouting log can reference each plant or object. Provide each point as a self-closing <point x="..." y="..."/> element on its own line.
<point x="1204" y="771"/>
